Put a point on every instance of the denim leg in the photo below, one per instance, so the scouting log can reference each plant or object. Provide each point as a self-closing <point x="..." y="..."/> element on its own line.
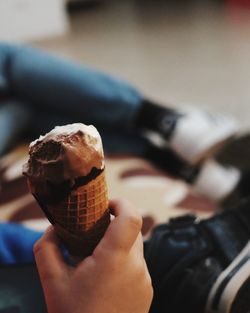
<point x="4" y="63"/>
<point x="56" y="85"/>
<point x="119" y="141"/>
<point x="15" y="117"/>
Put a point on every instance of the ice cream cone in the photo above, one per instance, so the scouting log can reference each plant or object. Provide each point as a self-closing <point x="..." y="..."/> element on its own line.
<point x="66" y="175"/>
<point x="82" y="217"/>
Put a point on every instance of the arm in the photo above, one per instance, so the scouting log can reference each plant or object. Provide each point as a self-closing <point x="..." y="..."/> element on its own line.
<point x="113" y="279"/>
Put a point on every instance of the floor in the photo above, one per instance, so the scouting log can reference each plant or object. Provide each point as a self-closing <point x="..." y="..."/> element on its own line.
<point x="197" y="54"/>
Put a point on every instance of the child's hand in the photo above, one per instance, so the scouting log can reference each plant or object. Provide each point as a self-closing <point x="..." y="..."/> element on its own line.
<point x="114" y="279"/>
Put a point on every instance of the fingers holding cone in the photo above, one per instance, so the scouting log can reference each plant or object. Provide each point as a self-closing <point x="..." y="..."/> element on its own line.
<point x="122" y="235"/>
<point x="124" y="230"/>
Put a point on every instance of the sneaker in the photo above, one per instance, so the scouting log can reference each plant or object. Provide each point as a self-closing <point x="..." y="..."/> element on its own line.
<point x="216" y="181"/>
<point x="231" y="291"/>
<point x="239" y="192"/>
<point x="192" y="134"/>
<point x="225" y="184"/>
<point x="198" y="135"/>
<point x="188" y="259"/>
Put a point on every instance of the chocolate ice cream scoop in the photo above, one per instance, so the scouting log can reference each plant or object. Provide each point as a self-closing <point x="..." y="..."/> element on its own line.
<point x="65" y="153"/>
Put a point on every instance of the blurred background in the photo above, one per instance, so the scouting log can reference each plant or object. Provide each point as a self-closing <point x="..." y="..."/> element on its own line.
<point x="175" y="52"/>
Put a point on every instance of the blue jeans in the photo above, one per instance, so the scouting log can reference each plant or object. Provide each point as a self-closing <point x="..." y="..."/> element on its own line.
<point x="40" y="91"/>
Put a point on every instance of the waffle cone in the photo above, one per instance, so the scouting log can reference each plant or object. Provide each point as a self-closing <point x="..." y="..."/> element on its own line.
<point x="81" y="218"/>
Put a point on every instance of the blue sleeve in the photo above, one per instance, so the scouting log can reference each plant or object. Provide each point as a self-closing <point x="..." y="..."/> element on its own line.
<point x="16" y="243"/>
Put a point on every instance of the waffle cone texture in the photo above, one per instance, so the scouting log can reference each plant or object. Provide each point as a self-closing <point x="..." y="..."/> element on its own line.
<point x="82" y="217"/>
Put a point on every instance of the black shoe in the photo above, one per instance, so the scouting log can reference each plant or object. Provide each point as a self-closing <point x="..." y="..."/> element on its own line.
<point x="193" y="134"/>
<point x="237" y="154"/>
<point x="241" y="190"/>
<point x="231" y="291"/>
<point x="225" y="184"/>
<point x="186" y="257"/>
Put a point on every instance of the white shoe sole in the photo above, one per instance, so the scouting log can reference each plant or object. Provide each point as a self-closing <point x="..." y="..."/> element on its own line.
<point x="216" y="181"/>
<point x="195" y="139"/>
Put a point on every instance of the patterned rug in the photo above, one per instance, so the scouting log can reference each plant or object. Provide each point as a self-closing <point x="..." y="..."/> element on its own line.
<point x="157" y="195"/>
